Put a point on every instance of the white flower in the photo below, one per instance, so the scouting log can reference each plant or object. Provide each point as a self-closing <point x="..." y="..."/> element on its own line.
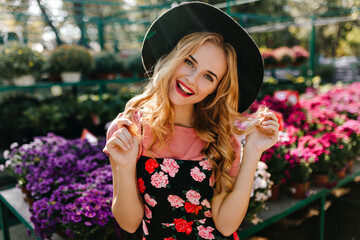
<point x="6" y="154"/>
<point x="14" y="145"/>
<point x="7" y="163"/>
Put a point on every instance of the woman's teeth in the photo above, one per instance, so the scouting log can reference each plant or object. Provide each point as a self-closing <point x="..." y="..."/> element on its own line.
<point x="184" y="89"/>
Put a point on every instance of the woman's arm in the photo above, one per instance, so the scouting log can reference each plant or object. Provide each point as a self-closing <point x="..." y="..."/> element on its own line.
<point x="229" y="209"/>
<point x="127" y="206"/>
<point x="123" y="149"/>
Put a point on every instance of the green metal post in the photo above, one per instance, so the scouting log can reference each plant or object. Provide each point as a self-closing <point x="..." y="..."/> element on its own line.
<point x="4" y="221"/>
<point x="83" y="27"/>
<point x="101" y="32"/>
<point x="311" y="71"/>
<point x="228" y="6"/>
<point x="322" y="216"/>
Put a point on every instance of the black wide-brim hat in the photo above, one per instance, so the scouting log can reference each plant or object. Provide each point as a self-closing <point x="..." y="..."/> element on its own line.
<point x="184" y="19"/>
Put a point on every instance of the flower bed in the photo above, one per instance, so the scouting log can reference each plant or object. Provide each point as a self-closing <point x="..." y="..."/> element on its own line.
<point x="70" y="182"/>
<point x="323" y="133"/>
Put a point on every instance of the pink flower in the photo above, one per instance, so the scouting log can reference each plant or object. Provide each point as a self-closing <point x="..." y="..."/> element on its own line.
<point x="175" y="201"/>
<point x="208" y="214"/>
<point x="159" y="180"/>
<point x="205" y="232"/>
<point x="193" y="197"/>
<point x="206" y="203"/>
<point x="148" y="213"/>
<point x="170" y="166"/>
<point x="197" y="175"/>
<point x="150" y="200"/>
<point x="145" y="229"/>
<point x="205" y="164"/>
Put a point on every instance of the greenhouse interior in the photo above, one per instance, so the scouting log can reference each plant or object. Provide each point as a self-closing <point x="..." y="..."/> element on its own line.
<point x="69" y="67"/>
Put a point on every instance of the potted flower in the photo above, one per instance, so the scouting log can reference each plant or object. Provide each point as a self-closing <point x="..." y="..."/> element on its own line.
<point x="71" y="61"/>
<point x="268" y="56"/>
<point x="298" y="172"/>
<point x="275" y="160"/>
<point x="284" y="56"/>
<point x="260" y="192"/>
<point x="300" y="54"/>
<point x="20" y="64"/>
<point x="107" y="64"/>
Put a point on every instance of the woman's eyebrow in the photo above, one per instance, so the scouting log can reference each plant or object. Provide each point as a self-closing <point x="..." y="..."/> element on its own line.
<point x="192" y="58"/>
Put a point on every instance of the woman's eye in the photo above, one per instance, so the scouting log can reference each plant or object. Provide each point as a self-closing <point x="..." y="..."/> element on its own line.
<point x="208" y="77"/>
<point x="188" y="62"/>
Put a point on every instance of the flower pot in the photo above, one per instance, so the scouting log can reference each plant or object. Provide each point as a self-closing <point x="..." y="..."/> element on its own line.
<point x="71" y="77"/>
<point x="299" y="190"/>
<point x="340" y="173"/>
<point x="350" y="165"/>
<point x="320" y="180"/>
<point x="25" y="80"/>
<point x="275" y="189"/>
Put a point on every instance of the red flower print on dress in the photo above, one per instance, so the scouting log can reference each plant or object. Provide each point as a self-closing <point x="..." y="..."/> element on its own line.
<point x="150" y="200"/>
<point x="159" y="180"/>
<point x="170" y="238"/>
<point x="182" y="225"/>
<point x="145" y="229"/>
<point x="192" y="208"/>
<point x="206" y="203"/>
<point x="205" y="164"/>
<point x="193" y="197"/>
<point x="148" y="213"/>
<point x="202" y="221"/>
<point x="175" y="201"/>
<point x="208" y="214"/>
<point x="141" y="185"/>
<point x="150" y="165"/>
<point x="197" y="175"/>
<point x="236" y="236"/>
<point x="170" y="166"/>
<point x="205" y="232"/>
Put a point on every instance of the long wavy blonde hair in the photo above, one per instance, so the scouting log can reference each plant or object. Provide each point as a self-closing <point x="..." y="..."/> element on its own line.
<point x="215" y="116"/>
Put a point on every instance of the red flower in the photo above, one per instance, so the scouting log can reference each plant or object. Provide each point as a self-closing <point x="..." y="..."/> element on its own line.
<point x="170" y="238"/>
<point x="192" y="208"/>
<point x="150" y="165"/>
<point x="141" y="185"/>
<point x="182" y="225"/>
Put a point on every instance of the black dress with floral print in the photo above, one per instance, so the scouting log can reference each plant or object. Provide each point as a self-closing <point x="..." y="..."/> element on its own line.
<point x="177" y="196"/>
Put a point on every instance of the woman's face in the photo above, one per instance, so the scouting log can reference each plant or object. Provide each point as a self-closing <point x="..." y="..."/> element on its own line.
<point x="198" y="75"/>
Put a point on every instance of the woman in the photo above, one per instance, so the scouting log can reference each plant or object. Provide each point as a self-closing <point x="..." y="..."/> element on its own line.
<point x="175" y="151"/>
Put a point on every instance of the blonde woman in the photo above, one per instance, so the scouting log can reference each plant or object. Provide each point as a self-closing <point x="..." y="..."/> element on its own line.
<point x="175" y="151"/>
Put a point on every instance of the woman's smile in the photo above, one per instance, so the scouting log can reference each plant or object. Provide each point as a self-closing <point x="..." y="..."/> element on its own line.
<point x="183" y="90"/>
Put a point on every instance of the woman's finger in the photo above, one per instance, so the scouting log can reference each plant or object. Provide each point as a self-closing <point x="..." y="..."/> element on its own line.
<point x="123" y="122"/>
<point x="127" y="134"/>
<point x="116" y="142"/>
<point x="119" y="134"/>
<point x="270" y="122"/>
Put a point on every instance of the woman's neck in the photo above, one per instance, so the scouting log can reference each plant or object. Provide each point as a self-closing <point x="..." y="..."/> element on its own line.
<point x="183" y="115"/>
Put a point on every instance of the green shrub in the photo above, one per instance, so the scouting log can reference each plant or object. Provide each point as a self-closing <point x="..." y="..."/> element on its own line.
<point x="17" y="60"/>
<point x="71" y="58"/>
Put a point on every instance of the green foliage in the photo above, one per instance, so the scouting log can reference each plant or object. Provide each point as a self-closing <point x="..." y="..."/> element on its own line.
<point x="107" y="62"/>
<point x="26" y="116"/>
<point x="17" y="60"/>
<point x="135" y="63"/>
<point x="300" y="173"/>
<point x="71" y="58"/>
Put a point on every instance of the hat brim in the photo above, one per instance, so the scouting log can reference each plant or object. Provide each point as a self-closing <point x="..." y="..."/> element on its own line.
<point x="168" y="29"/>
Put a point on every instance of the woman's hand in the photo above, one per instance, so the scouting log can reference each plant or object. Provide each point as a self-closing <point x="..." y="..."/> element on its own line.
<point x="123" y="147"/>
<point x="265" y="134"/>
